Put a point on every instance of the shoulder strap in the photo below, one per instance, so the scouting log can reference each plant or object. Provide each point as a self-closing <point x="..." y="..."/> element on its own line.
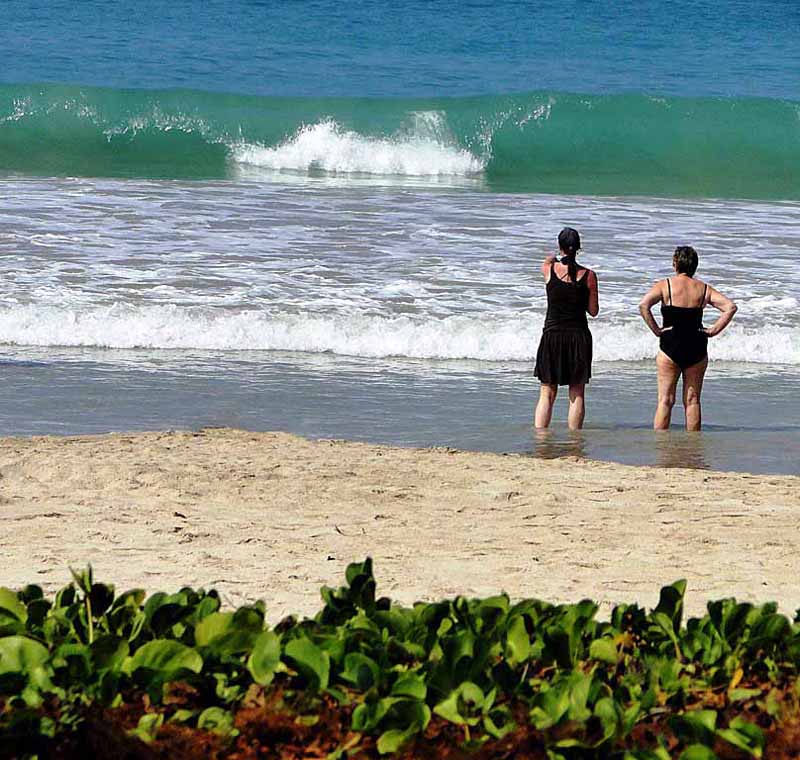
<point x="669" y="288"/>
<point x="705" y="293"/>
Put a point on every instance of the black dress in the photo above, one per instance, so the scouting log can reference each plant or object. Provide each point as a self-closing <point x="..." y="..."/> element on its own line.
<point x="565" y="350"/>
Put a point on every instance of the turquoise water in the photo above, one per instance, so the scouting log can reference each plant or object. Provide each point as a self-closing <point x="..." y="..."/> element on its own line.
<point x="550" y="142"/>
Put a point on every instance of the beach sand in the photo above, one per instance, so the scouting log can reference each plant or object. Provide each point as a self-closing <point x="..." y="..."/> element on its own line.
<point x="273" y="516"/>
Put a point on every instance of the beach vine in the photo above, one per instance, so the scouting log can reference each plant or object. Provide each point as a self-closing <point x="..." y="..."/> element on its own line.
<point x="93" y="673"/>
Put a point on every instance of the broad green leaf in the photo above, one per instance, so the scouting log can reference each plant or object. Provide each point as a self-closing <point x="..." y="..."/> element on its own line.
<point x="310" y="661"/>
<point x="250" y="618"/>
<point x="210" y="627"/>
<point x="360" y="671"/>
<point x="101" y="598"/>
<point x="227" y="690"/>
<point x="234" y="642"/>
<point x="550" y="706"/>
<point x="147" y="728"/>
<point x="670" y="602"/>
<point x="265" y="658"/>
<point x="19" y="654"/>
<point x="37" y="613"/>
<point x="166" y="657"/>
<point x="647" y="754"/>
<point x="108" y="652"/>
<point x="216" y="720"/>
<point x="518" y="644"/>
<point x="737" y="695"/>
<point x="604" y="650"/>
<point x="410" y="685"/>
<point x="182" y="716"/>
<point x="698" y="752"/>
<point x="770" y="629"/>
<point x="695" y="726"/>
<point x="580" y="684"/>
<point x="393" y="739"/>
<point x="11" y="605"/>
<point x="368" y="715"/>
<point x="499" y="722"/>
<point x="606" y="712"/>
<point x="461" y="704"/>
<point x="744" y="735"/>
<point x="630" y="715"/>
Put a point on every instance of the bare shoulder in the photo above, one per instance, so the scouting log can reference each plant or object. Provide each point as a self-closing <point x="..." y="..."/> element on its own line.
<point x="706" y="288"/>
<point x="659" y="290"/>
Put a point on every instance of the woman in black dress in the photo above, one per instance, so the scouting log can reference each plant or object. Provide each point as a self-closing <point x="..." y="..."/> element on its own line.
<point x="565" y="350"/>
<point x="683" y="339"/>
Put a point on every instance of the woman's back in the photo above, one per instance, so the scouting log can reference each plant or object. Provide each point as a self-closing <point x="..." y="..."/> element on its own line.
<point x="684" y="292"/>
<point x="567" y="301"/>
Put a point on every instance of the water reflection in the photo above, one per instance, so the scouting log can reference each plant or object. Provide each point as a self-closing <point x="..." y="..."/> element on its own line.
<point x="549" y="445"/>
<point x="675" y="449"/>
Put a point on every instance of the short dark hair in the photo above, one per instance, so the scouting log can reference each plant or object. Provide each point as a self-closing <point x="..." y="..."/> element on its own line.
<point x="685" y="260"/>
<point x="569" y="241"/>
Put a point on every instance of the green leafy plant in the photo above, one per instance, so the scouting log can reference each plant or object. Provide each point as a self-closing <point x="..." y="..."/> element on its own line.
<point x="367" y="676"/>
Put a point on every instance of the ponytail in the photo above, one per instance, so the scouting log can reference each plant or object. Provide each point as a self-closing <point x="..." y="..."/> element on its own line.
<point x="572" y="266"/>
<point x="569" y="241"/>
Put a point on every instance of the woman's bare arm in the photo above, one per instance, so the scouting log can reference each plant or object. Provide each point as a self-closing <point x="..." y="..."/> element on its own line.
<point x="727" y="309"/>
<point x="594" y="300"/>
<point x="651" y="298"/>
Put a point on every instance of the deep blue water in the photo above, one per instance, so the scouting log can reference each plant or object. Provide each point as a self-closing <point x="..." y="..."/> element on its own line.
<point x="378" y="49"/>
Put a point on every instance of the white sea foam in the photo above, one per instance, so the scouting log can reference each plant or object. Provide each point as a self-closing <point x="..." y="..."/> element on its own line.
<point x="426" y="149"/>
<point x="355" y="334"/>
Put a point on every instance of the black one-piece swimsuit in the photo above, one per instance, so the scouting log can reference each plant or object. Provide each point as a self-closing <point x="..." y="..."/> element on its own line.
<point x="686" y="343"/>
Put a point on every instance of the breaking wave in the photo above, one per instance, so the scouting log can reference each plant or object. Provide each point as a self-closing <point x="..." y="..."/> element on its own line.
<point x="499" y="339"/>
<point x="540" y="141"/>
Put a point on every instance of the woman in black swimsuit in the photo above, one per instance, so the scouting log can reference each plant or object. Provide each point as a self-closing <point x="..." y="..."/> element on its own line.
<point x="565" y="350"/>
<point x="683" y="339"/>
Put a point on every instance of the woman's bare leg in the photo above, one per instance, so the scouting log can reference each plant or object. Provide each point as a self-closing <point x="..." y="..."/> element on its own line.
<point x="692" y="388"/>
<point x="668" y="374"/>
<point x="577" y="407"/>
<point x="544" y="409"/>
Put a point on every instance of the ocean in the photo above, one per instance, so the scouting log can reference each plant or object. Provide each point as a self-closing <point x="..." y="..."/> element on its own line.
<point x="329" y="218"/>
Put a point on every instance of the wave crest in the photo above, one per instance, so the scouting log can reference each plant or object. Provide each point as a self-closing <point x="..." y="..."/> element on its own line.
<point x="426" y="150"/>
<point x="539" y="141"/>
<point x="496" y="339"/>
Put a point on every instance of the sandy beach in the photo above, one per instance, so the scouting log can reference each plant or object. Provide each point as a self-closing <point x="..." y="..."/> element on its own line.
<point x="274" y="516"/>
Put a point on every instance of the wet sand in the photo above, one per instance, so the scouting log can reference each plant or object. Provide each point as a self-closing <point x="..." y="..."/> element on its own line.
<point x="274" y="516"/>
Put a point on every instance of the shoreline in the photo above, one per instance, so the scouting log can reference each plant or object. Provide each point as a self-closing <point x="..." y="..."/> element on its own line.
<point x="274" y="516"/>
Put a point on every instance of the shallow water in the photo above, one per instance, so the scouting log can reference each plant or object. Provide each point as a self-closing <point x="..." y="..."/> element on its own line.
<point x="467" y="405"/>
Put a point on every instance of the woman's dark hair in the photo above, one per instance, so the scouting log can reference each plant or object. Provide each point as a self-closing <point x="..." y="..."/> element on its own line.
<point x="685" y="260"/>
<point x="569" y="241"/>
